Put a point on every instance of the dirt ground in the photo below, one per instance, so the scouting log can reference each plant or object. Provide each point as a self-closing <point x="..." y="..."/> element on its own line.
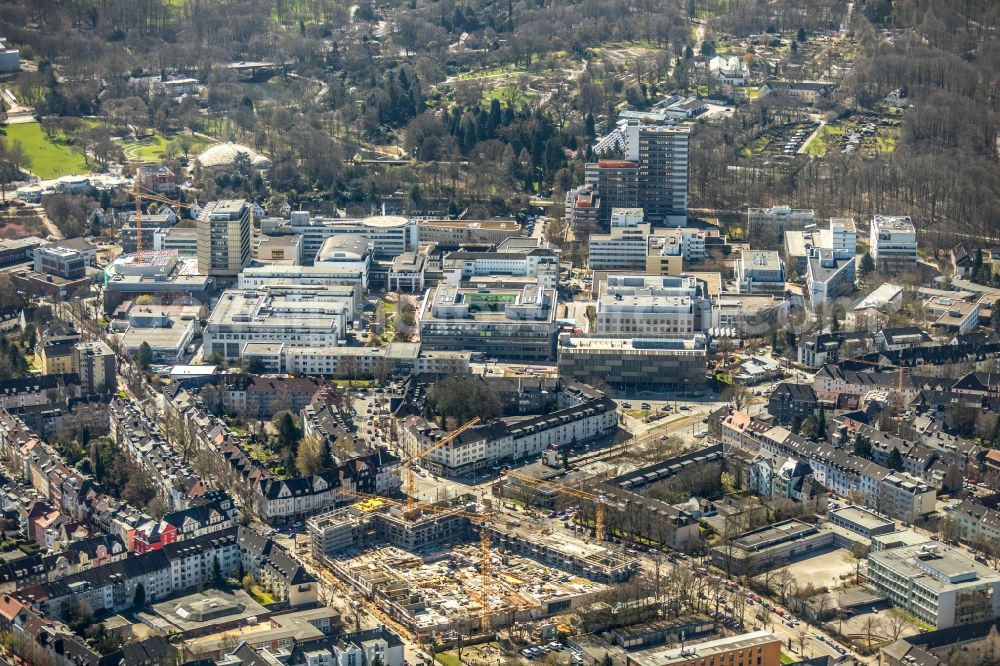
<point x="822" y="570"/>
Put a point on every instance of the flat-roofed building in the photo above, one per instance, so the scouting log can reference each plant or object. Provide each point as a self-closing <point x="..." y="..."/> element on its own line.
<point x="828" y="277"/>
<point x="303" y="316"/>
<point x="284" y="249"/>
<point x="906" y="497"/>
<point x="646" y="363"/>
<point x="280" y="275"/>
<point x="760" y="272"/>
<point x="758" y="648"/>
<point x="777" y="219"/>
<point x="456" y="233"/>
<point x="936" y="584"/>
<point x="224" y="238"/>
<point x="646" y="306"/>
<point x="893" y="243"/>
<point x="860" y="520"/>
<point x="514" y="257"/>
<point x="62" y="262"/>
<point x="391" y="235"/>
<point x="622" y="248"/>
<point x="182" y="240"/>
<point x="502" y="323"/>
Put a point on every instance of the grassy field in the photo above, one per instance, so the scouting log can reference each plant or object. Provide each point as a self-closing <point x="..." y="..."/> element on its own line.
<point x="819" y="145"/>
<point x="448" y="659"/>
<point x="260" y="595"/>
<point x="49" y="159"/>
<point x="506" y="95"/>
<point x="148" y="149"/>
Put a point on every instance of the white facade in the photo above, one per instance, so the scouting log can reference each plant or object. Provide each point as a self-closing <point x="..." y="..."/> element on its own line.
<point x="307" y="317"/>
<point x="624" y="248"/>
<point x="626" y="217"/>
<point x="391" y="235"/>
<point x="893" y="243"/>
<point x="778" y="219"/>
<point x="759" y="272"/>
<point x="651" y="306"/>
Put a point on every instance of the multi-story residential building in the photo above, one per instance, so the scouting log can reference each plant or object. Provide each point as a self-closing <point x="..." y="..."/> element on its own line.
<point x="828" y="277"/>
<point x="817" y="350"/>
<point x="583" y="414"/>
<point x="532" y="258"/>
<point x="760" y="272"/>
<point x="936" y="584"/>
<point x="906" y="497"/>
<point x="583" y="206"/>
<point x="156" y="178"/>
<point x="224" y="229"/>
<point x="213" y="515"/>
<point x="96" y="366"/>
<point x="259" y="397"/>
<point x="623" y="248"/>
<point x="302" y="316"/>
<point x="791" y="403"/>
<point x="777" y="220"/>
<point x="503" y="323"/>
<point x="645" y="306"/>
<point x="61" y="262"/>
<point x="893" y="243"/>
<point x="633" y="363"/>
<point x="653" y="176"/>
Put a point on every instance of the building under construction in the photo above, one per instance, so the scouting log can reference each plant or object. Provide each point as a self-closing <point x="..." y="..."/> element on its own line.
<point x="423" y="569"/>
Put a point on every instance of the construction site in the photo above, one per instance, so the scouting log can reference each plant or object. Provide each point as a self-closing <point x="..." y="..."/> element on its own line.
<point x="426" y="568"/>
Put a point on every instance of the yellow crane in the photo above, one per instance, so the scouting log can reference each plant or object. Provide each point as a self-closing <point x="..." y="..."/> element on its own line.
<point x="484" y="519"/>
<point x="598" y="500"/>
<point x="409" y="462"/>
<point x="141" y="195"/>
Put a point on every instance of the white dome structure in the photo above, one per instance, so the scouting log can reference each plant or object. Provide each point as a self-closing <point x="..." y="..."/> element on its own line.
<point x="223" y="154"/>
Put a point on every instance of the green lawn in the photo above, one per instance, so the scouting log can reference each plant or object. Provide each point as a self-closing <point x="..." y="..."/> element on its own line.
<point x="260" y="595"/>
<point x="785" y="659"/>
<point x="49" y="159"/>
<point x="148" y="149"/>
<point x="819" y="144"/>
<point x="448" y="659"/>
<point x="506" y="95"/>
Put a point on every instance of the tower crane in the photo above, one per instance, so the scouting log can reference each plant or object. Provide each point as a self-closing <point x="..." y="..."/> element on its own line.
<point x="409" y="462"/>
<point x="599" y="500"/>
<point x="140" y="195"/>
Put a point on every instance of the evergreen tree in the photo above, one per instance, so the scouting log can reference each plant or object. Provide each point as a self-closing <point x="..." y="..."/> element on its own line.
<point x="862" y="446"/>
<point x="821" y="424"/>
<point x="801" y="35"/>
<point x="895" y="460"/>
<point x="216" y="579"/>
<point x="139" y="600"/>
<point x="867" y="265"/>
<point x="144" y="357"/>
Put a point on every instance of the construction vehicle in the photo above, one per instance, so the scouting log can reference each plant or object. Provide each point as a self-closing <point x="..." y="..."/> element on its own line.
<point x="409" y="462"/>
<point x="599" y="500"/>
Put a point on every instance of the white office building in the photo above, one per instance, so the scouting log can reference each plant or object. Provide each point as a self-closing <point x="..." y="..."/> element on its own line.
<point x="652" y="306"/>
<point x="624" y="248"/>
<point x="778" y="219"/>
<point x="301" y="316"/>
<point x="828" y="276"/>
<point x="760" y="272"/>
<point x="936" y="584"/>
<point x="519" y="257"/>
<point x="893" y="243"/>
<point x="390" y="235"/>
